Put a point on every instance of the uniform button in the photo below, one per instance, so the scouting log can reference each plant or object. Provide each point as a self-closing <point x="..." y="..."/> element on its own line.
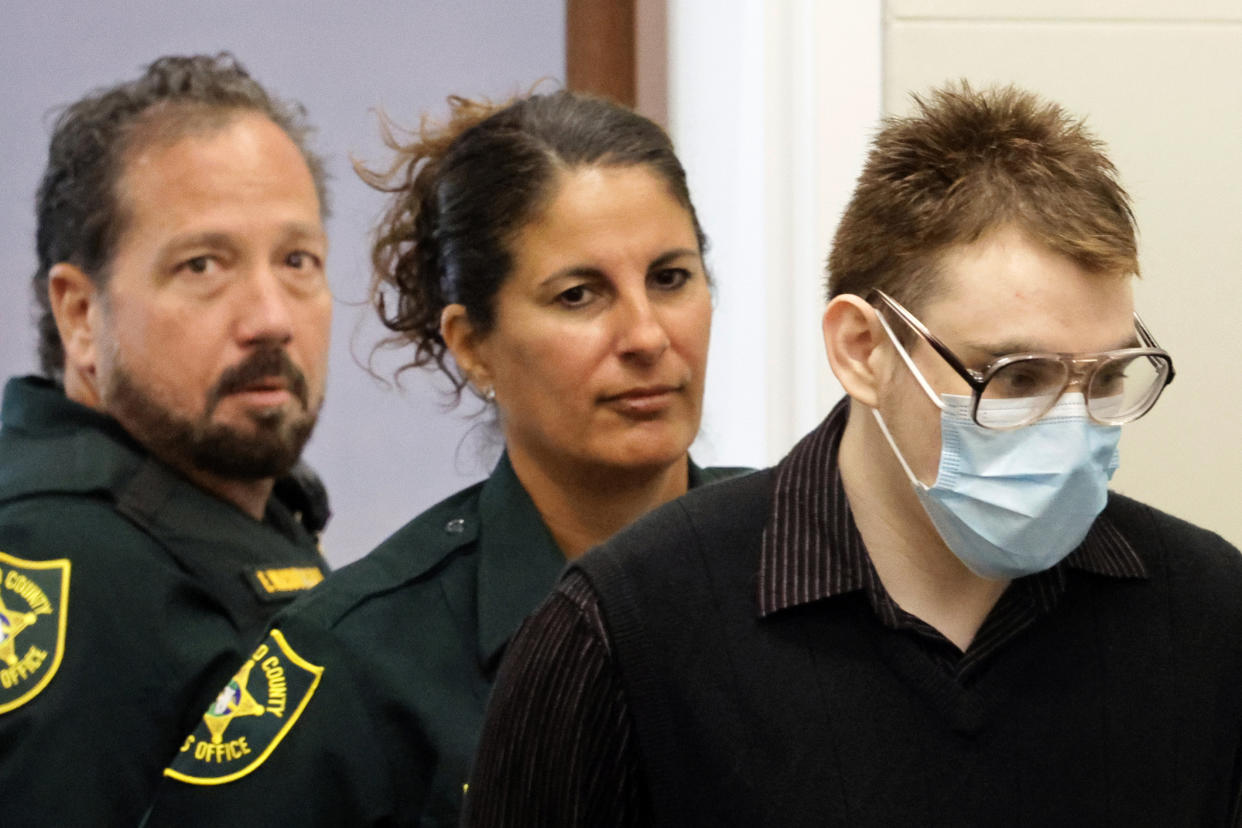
<point x="455" y="526"/>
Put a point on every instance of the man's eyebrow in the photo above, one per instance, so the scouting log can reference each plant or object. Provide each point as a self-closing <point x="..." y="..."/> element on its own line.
<point x="292" y="231"/>
<point x="302" y="230"/>
<point x="206" y="238"/>
<point x="996" y="350"/>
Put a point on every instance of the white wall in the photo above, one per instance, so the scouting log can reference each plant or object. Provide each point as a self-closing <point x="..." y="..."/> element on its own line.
<point x="384" y="455"/>
<point x="770" y="105"/>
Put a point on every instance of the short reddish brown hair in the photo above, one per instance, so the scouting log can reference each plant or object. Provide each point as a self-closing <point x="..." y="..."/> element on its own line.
<point x="968" y="162"/>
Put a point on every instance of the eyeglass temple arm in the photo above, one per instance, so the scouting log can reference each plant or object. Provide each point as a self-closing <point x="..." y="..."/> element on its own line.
<point x="1150" y="341"/>
<point x="905" y="356"/>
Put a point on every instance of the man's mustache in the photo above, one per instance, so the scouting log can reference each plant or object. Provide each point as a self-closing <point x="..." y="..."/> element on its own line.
<point x="263" y="364"/>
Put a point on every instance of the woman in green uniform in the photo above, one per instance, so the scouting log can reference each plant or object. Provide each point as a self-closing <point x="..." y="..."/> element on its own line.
<point x="546" y="257"/>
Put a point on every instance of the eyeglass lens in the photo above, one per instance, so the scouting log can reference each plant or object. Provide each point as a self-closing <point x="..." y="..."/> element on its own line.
<point x="1120" y="389"/>
<point x="1123" y="388"/>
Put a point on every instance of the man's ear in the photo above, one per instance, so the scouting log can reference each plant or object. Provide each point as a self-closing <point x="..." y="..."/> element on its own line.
<point x="459" y="335"/>
<point x="853" y="341"/>
<point x="75" y="302"/>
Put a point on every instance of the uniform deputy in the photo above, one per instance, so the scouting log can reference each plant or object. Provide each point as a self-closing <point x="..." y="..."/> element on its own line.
<point x="148" y="528"/>
<point x="550" y="249"/>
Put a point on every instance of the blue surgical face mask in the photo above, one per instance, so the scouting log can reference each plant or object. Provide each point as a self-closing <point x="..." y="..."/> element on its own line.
<point x="1011" y="503"/>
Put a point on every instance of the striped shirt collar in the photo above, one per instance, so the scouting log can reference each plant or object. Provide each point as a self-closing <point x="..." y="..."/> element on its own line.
<point x="812" y="548"/>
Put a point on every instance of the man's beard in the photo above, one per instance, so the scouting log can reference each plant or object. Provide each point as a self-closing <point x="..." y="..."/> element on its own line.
<point x="268" y="450"/>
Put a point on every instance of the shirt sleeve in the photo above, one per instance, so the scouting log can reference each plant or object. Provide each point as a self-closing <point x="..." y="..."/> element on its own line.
<point x="304" y="726"/>
<point x="558" y="744"/>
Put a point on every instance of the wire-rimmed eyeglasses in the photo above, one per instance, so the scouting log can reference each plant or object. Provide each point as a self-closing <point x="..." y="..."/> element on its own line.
<point x="1017" y="389"/>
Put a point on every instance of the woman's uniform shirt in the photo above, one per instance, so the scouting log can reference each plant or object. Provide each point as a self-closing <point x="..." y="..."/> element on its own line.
<point x="363" y="705"/>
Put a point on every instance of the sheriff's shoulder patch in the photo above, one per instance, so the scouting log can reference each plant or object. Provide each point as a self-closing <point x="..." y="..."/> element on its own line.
<point x="34" y="601"/>
<point x="250" y="716"/>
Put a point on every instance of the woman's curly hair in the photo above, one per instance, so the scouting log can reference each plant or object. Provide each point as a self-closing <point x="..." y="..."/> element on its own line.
<point x="462" y="190"/>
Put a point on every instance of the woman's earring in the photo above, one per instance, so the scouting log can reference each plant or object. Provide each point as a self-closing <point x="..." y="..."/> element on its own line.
<point x="489" y="393"/>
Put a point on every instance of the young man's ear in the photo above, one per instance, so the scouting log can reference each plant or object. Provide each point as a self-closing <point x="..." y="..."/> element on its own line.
<point x="459" y="337"/>
<point x="853" y="339"/>
<point x="75" y="302"/>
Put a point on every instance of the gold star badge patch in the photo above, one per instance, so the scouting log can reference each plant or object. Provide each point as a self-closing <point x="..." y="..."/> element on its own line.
<point x="34" y="599"/>
<point x="249" y="717"/>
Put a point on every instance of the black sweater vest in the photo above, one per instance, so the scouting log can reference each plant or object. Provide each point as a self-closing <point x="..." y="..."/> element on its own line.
<point x="1121" y="707"/>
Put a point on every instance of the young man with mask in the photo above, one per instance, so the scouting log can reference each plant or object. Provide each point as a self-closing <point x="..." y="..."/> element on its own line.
<point x="932" y="611"/>
<point x="149" y="524"/>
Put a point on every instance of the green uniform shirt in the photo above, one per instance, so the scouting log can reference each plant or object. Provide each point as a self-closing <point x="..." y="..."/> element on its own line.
<point x="394" y="657"/>
<point x="127" y="596"/>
